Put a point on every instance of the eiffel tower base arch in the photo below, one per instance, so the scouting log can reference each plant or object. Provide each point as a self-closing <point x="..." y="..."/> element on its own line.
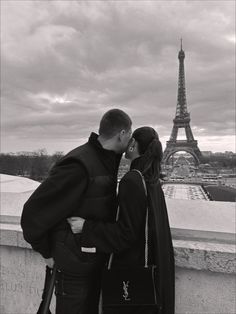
<point x="188" y="147"/>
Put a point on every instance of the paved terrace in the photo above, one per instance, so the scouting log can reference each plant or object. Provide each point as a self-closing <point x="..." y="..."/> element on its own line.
<point x="204" y="243"/>
<point x="184" y="192"/>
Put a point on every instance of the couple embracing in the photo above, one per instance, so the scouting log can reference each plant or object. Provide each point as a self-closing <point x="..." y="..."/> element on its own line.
<point x="70" y="219"/>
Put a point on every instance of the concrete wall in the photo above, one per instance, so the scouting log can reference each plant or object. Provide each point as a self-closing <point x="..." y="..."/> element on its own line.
<point x="197" y="291"/>
<point x="204" y="243"/>
<point x="22" y="278"/>
<point x="204" y="292"/>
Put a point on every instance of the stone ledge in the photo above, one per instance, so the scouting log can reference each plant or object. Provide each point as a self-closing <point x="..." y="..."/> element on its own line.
<point x="11" y="235"/>
<point x="215" y="257"/>
<point x="203" y="236"/>
<point x="199" y="255"/>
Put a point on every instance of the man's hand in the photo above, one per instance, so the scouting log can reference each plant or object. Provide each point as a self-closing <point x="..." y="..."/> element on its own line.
<point x="76" y="224"/>
<point x="49" y="262"/>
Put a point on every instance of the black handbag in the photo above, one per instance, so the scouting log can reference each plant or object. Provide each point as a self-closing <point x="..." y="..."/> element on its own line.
<point x="130" y="287"/>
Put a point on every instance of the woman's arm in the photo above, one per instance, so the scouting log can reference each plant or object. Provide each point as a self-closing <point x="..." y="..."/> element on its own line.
<point x="115" y="237"/>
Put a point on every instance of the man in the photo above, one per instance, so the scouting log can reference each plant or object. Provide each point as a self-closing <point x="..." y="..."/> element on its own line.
<point x="83" y="183"/>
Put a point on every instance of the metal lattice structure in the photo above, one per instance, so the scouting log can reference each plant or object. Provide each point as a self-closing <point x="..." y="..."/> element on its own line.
<point x="181" y="120"/>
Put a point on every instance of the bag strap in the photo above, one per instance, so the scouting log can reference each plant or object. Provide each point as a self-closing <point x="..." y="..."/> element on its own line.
<point x="146" y="222"/>
<point x="146" y="227"/>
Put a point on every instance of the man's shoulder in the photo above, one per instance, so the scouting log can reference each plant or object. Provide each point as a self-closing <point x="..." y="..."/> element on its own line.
<point x="70" y="162"/>
<point x="68" y="167"/>
<point x="78" y="150"/>
<point x="83" y="156"/>
<point x="79" y="154"/>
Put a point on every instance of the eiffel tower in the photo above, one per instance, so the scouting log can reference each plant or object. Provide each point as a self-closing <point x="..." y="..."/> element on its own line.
<point x="181" y="120"/>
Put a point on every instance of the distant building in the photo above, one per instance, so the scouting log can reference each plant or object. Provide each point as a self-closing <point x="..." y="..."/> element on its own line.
<point x="230" y="154"/>
<point x="207" y="153"/>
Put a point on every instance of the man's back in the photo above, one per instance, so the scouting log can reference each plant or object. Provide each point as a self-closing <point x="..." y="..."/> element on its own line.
<point x="83" y="183"/>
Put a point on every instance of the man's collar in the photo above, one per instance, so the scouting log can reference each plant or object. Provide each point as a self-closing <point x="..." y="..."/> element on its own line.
<point x="93" y="139"/>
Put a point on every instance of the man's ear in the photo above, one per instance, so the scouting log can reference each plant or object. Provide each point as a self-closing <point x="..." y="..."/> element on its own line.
<point x="121" y="134"/>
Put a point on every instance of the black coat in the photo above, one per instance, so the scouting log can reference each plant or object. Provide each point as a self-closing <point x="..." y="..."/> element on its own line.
<point x="59" y="197"/>
<point x="164" y="248"/>
<point x="126" y="237"/>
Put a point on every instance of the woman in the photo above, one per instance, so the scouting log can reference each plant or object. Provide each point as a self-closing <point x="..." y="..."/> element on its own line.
<point x="126" y="237"/>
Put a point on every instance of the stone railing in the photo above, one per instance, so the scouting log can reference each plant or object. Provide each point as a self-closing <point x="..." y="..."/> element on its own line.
<point x="204" y="243"/>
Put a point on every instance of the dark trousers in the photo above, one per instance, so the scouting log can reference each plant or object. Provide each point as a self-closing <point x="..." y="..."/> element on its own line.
<point x="77" y="294"/>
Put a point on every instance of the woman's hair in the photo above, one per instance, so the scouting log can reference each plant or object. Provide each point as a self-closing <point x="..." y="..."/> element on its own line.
<point x="150" y="150"/>
<point x="114" y="121"/>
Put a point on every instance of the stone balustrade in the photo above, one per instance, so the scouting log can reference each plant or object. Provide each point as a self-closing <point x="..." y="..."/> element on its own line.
<point x="204" y="243"/>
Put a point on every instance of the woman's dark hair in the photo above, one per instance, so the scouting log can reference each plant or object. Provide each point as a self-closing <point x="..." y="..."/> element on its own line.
<point x="114" y="121"/>
<point x="150" y="149"/>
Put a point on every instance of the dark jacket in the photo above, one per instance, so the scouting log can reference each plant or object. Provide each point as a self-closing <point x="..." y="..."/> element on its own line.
<point x="82" y="183"/>
<point x="126" y="237"/>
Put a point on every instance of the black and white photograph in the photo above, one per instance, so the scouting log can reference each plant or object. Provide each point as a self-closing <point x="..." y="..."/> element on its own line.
<point x="118" y="157"/>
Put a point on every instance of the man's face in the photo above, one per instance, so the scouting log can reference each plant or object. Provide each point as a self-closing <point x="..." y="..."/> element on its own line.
<point x="125" y="137"/>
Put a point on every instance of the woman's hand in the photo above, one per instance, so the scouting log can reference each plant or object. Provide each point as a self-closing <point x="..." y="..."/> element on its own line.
<point x="76" y="224"/>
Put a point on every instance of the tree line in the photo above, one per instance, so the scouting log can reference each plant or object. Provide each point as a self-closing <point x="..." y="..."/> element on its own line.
<point x="34" y="165"/>
<point x="220" y="161"/>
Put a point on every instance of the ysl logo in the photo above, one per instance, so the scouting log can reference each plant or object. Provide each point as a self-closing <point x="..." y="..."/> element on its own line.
<point x="125" y="289"/>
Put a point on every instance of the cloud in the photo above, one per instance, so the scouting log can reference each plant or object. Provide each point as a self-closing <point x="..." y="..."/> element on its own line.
<point x="65" y="63"/>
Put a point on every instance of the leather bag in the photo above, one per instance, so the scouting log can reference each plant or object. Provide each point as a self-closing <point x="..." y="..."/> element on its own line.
<point x="132" y="287"/>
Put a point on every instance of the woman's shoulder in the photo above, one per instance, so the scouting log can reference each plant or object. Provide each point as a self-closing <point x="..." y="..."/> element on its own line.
<point x="132" y="176"/>
<point x="132" y="184"/>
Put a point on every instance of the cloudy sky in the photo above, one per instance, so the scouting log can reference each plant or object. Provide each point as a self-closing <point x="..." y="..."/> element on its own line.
<point x="64" y="63"/>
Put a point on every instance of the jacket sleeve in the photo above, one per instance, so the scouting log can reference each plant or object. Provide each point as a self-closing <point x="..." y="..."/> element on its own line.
<point x="54" y="200"/>
<point x="115" y="237"/>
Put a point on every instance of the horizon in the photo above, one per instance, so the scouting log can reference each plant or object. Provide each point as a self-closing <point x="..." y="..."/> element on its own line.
<point x="76" y="60"/>
<point x="45" y="151"/>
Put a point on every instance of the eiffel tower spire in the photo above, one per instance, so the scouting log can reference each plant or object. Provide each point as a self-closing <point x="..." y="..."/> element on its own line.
<point x="181" y="120"/>
<point x="181" y="109"/>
